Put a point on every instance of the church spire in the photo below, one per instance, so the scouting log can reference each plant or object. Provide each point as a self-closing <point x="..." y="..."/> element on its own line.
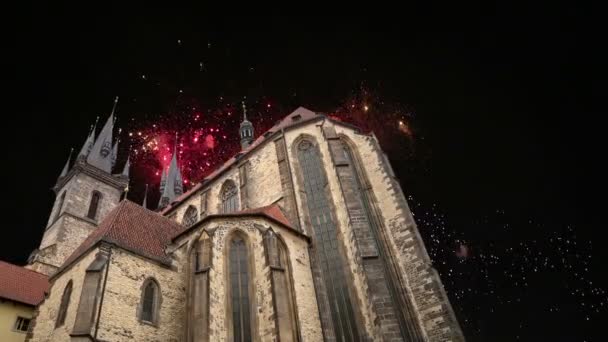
<point x="171" y="182"/>
<point x="115" y="149"/>
<point x="125" y="169"/>
<point x="246" y="130"/>
<point x="66" y="167"/>
<point x="101" y="153"/>
<point x="144" y="203"/>
<point x="88" y="143"/>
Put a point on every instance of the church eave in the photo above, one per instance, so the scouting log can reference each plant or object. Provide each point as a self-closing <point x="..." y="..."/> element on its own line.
<point x="117" y="181"/>
<point x="242" y="158"/>
<point x="214" y="217"/>
<point x="109" y="243"/>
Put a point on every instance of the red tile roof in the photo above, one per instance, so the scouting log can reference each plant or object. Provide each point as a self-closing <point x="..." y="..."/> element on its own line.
<point x="272" y="212"/>
<point x="22" y="285"/>
<point x="297" y="117"/>
<point x="134" y="228"/>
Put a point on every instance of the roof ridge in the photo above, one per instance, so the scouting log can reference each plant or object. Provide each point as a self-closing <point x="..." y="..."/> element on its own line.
<point x="23" y="268"/>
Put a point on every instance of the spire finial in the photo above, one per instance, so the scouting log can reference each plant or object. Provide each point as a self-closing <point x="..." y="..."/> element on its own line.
<point x="144" y="203"/>
<point x="66" y="167"/>
<point x="244" y="110"/>
<point x="114" y="107"/>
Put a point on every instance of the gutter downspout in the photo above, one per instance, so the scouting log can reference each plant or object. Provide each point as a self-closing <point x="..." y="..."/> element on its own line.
<point x="103" y="292"/>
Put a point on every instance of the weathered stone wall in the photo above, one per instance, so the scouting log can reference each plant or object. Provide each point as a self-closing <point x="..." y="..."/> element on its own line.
<point x="79" y="190"/>
<point x="422" y="281"/>
<point x="263" y="186"/>
<point x="72" y="226"/>
<point x="119" y="314"/>
<point x="345" y="232"/>
<point x="265" y="329"/>
<point x="44" y="328"/>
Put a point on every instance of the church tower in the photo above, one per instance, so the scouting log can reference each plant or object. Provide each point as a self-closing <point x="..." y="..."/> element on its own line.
<point x="85" y="193"/>
<point x="171" y="182"/>
<point x="246" y="130"/>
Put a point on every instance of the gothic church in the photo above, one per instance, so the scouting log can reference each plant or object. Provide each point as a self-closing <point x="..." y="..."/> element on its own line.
<point x="304" y="235"/>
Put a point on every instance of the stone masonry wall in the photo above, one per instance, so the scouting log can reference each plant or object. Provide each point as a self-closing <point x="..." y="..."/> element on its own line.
<point x="44" y="328"/>
<point x="119" y="314"/>
<point x="424" y="285"/>
<point x="344" y="228"/>
<point x="263" y="186"/>
<point x="72" y="226"/>
<point x="265" y="329"/>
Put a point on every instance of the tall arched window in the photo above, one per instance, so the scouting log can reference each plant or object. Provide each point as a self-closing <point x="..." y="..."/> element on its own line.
<point x="230" y="197"/>
<point x="63" y="306"/>
<point x="59" y="206"/>
<point x="239" y="290"/>
<point x="333" y="267"/>
<point x="150" y="302"/>
<point x="190" y="216"/>
<point x="95" y="200"/>
<point x="282" y="294"/>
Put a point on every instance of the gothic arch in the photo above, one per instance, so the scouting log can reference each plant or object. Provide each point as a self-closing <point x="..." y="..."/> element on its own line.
<point x="150" y="302"/>
<point x="200" y="255"/>
<point x="339" y="307"/>
<point x="64" y="304"/>
<point x="282" y="286"/>
<point x="94" y="204"/>
<point x="239" y="266"/>
<point x="229" y="197"/>
<point x="190" y="216"/>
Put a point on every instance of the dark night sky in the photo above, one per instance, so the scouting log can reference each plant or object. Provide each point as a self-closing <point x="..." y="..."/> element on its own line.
<point x="504" y="104"/>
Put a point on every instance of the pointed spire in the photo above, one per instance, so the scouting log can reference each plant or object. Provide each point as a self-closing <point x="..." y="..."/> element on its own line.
<point x="101" y="153"/>
<point x="88" y="143"/>
<point x="163" y="180"/>
<point x="114" y="107"/>
<point x="172" y="182"/>
<point x="125" y="169"/>
<point x="115" y="151"/>
<point x="144" y="203"/>
<point x="246" y="130"/>
<point x="66" y="167"/>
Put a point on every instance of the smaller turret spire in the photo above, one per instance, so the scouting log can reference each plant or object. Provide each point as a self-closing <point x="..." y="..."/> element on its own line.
<point x="88" y="143"/>
<point x="125" y="169"/>
<point x="144" y="203"/>
<point x="171" y="183"/>
<point x="114" y="107"/>
<point x="101" y="152"/>
<point x="246" y="130"/>
<point x="66" y="167"/>
<point x="115" y="150"/>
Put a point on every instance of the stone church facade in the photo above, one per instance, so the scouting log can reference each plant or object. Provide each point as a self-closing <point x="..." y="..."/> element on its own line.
<point x="304" y="235"/>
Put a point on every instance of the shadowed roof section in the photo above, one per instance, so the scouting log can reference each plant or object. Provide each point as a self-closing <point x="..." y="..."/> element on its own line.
<point x="22" y="285"/>
<point x="134" y="228"/>
<point x="272" y="212"/>
<point x="297" y="117"/>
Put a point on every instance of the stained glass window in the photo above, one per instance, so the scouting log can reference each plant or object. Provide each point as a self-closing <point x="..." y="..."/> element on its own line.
<point x="63" y="307"/>
<point x="239" y="286"/>
<point x="333" y="267"/>
<point x="230" y="198"/>
<point x="149" y="302"/>
<point x="95" y="199"/>
<point x="190" y="216"/>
